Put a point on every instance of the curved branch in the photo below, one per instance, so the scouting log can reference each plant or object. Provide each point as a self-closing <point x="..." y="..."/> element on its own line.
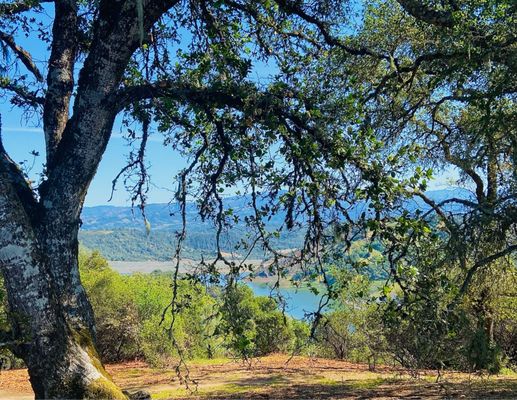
<point x="25" y="97"/>
<point x="125" y="97"/>
<point x="458" y="162"/>
<point x="22" y="54"/>
<point x="481" y="263"/>
<point x="292" y="7"/>
<point x="451" y="225"/>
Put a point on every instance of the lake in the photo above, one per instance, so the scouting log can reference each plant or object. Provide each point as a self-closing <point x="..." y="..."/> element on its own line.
<point x="299" y="300"/>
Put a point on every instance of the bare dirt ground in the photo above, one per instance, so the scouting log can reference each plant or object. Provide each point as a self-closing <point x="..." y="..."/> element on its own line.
<point x="273" y="377"/>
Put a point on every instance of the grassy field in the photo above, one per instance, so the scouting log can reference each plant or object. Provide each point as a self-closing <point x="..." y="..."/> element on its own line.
<point x="279" y="377"/>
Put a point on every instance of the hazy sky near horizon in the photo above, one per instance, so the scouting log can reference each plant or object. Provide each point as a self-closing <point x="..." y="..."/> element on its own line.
<point x="22" y="135"/>
<point x="20" y="139"/>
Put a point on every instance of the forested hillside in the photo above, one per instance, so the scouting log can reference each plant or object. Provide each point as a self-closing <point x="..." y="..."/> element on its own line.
<point x="120" y="233"/>
<point x="137" y="244"/>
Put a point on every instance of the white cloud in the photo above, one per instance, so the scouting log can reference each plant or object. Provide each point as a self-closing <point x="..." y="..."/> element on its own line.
<point x="26" y="130"/>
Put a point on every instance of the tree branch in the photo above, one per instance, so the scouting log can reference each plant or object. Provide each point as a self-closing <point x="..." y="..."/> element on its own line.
<point x="451" y="226"/>
<point x="60" y="78"/>
<point x="481" y="263"/>
<point x="22" y="55"/>
<point x="29" y="98"/>
<point x="202" y="95"/>
<point x="85" y="135"/>
<point x="21" y="6"/>
<point x="292" y="7"/>
<point x="458" y="162"/>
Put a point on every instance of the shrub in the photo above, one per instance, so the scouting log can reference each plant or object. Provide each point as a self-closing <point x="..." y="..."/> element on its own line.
<point x="254" y="326"/>
<point x="134" y="317"/>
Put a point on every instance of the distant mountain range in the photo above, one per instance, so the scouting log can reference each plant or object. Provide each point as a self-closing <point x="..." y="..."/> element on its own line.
<point x="162" y="216"/>
<point x="120" y="233"/>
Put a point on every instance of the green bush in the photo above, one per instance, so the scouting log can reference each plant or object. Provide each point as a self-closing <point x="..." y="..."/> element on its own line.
<point x="135" y="320"/>
<point x="254" y="325"/>
<point x="477" y="333"/>
<point x="116" y="313"/>
<point x="130" y="313"/>
<point x="353" y="329"/>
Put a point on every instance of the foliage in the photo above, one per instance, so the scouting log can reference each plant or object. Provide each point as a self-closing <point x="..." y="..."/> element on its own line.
<point x="356" y="114"/>
<point x="128" y="312"/>
<point x="353" y="329"/>
<point x="371" y="322"/>
<point x="116" y="314"/>
<point x="364" y="323"/>
<point x="433" y="334"/>
<point x="254" y="326"/>
<point x="134" y="320"/>
<point x="4" y="323"/>
<point x="438" y="97"/>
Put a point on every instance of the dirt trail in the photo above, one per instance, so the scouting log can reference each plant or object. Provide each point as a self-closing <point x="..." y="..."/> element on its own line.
<point x="273" y="377"/>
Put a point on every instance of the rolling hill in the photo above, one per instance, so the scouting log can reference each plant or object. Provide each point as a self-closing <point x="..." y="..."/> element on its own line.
<point x="120" y="234"/>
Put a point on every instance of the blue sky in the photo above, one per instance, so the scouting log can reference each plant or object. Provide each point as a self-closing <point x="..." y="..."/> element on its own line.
<point x="21" y="138"/>
<point x="22" y="135"/>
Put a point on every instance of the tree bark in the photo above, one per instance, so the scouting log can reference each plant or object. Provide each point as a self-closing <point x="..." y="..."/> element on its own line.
<point x="52" y="319"/>
<point x="57" y="347"/>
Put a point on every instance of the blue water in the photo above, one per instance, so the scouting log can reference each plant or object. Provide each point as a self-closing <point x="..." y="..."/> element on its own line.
<point x="299" y="301"/>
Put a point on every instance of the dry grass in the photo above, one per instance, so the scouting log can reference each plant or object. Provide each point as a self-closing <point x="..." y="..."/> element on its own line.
<point x="301" y="378"/>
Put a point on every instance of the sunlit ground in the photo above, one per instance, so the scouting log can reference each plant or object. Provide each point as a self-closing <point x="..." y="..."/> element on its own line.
<point x="300" y="378"/>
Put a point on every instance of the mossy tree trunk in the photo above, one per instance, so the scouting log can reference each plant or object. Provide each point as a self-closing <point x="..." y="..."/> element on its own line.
<point x="52" y="322"/>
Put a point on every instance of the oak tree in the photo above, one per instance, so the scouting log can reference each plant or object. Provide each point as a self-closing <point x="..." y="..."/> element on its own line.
<point x="172" y="64"/>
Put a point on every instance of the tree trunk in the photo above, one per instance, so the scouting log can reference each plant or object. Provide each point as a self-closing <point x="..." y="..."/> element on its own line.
<point x="52" y="331"/>
<point x="39" y="239"/>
